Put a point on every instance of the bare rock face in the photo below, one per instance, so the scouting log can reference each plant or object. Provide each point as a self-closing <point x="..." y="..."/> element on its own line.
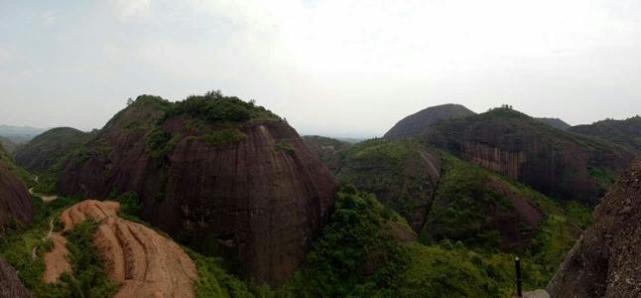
<point x="249" y="191"/>
<point x="554" y="162"/>
<point x="15" y="202"/>
<point x="10" y="284"/>
<point x="606" y="261"/>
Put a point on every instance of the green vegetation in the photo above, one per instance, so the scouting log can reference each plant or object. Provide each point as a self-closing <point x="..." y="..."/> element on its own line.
<point x="89" y="278"/>
<point x="604" y="177"/>
<point x="215" y="107"/>
<point x="18" y="247"/>
<point x="161" y="143"/>
<point x="223" y="137"/>
<point x="354" y="257"/>
<point x="130" y="206"/>
<point x="465" y="206"/>
<point x="393" y="170"/>
<point x="7" y="161"/>
<point x="285" y="147"/>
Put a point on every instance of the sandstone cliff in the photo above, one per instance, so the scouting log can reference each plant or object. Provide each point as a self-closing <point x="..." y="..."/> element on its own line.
<point x="605" y="262"/>
<point x="554" y="162"/>
<point x="15" y="202"/>
<point x="10" y="284"/>
<point x="244" y="187"/>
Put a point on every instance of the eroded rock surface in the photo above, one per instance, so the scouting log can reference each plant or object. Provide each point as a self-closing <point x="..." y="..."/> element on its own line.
<point x="554" y="162"/>
<point x="10" y="284"/>
<point x="606" y="261"/>
<point x="15" y="202"/>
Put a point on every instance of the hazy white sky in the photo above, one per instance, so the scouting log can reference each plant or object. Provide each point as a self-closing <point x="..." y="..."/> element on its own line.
<point x="331" y="67"/>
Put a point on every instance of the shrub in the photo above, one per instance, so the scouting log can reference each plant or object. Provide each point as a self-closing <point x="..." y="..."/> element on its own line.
<point x="223" y="137"/>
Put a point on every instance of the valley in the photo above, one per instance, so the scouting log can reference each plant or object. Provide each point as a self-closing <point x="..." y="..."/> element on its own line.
<point x="214" y="196"/>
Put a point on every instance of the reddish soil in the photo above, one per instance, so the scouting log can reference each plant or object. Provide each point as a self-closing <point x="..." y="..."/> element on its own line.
<point x="145" y="263"/>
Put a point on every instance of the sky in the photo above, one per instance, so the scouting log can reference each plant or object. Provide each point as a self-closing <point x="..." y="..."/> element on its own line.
<point x="342" y="68"/>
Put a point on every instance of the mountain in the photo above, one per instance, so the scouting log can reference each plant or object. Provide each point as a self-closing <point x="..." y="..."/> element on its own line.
<point x="48" y="148"/>
<point x="20" y="134"/>
<point x="8" y="145"/>
<point x="554" y="162"/>
<point x="624" y="132"/>
<point x="605" y="261"/>
<point x="555" y="122"/>
<point x="402" y="174"/>
<point x="414" y="125"/>
<point x="16" y="209"/>
<point x="224" y="176"/>
<point x="327" y="149"/>
<point x="10" y="284"/>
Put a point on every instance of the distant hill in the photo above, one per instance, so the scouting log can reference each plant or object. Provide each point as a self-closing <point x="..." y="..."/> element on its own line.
<point x="555" y="122"/>
<point x="556" y="163"/>
<point x="20" y="134"/>
<point x="48" y="148"/>
<point x="327" y="149"/>
<point x="8" y="144"/>
<point x="416" y="124"/>
<point x="624" y="132"/>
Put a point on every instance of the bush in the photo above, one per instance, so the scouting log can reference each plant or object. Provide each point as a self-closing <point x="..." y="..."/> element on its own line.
<point x="353" y="257"/>
<point x="223" y="137"/>
<point x="214" y="107"/>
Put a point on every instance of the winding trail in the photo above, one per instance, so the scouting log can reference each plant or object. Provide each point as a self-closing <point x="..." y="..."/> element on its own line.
<point x="45" y="198"/>
<point x="143" y="262"/>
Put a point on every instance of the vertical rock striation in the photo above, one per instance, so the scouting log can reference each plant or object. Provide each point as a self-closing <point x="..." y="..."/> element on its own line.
<point x="250" y="191"/>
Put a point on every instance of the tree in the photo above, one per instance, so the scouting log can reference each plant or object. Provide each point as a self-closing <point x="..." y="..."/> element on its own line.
<point x="129" y="101"/>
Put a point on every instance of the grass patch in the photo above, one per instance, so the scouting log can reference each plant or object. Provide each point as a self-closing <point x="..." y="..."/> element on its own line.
<point x="223" y="137"/>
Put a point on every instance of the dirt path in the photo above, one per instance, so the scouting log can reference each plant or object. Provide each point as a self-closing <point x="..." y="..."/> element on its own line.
<point x="145" y="263"/>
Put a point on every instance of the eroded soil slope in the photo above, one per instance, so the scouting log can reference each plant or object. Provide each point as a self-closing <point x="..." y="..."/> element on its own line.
<point x="145" y="263"/>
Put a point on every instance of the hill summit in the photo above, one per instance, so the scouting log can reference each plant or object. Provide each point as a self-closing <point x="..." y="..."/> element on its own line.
<point x="415" y="124"/>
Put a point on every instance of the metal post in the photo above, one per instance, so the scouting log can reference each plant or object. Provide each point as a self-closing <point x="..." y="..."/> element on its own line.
<point x="517" y="264"/>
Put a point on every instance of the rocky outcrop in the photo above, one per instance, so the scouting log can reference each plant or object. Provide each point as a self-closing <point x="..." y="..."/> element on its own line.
<point x="250" y="191"/>
<point x="48" y="148"/>
<point x="416" y="124"/>
<point x="554" y="162"/>
<point x="495" y="159"/>
<point x="15" y="202"/>
<point x="605" y="262"/>
<point x="10" y="284"/>
<point x="402" y="174"/>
